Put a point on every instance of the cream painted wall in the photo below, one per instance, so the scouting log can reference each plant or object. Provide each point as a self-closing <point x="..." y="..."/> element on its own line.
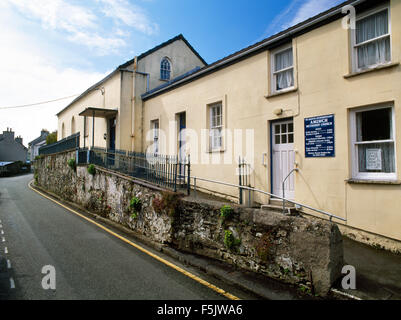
<point x="110" y="100"/>
<point x="321" y="62"/>
<point x="123" y="91"/>
<point x="182" y="60"/>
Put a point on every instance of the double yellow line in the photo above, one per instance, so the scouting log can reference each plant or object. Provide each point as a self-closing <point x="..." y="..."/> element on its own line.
<point x="171" y="265"/>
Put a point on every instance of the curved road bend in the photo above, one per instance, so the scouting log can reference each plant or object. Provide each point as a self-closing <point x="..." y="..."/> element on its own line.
<point x="89" y="262"/>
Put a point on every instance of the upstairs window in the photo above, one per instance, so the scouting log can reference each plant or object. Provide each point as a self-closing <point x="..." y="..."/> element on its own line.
<point x="282" y="69"/>
<point x="165" y="69"/>
<point x="372" y="40"/>
<point x="216" y="126"/>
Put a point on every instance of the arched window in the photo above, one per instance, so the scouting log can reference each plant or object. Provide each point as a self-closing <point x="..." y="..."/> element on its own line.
<point x="73" y="125"/>
<point x="62" y="131"/>
<point x="165" y="69"/>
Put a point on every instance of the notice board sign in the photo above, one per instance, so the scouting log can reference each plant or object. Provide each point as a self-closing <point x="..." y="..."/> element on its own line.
<point x="374" y="159"/>
<point x="319" y="137"/>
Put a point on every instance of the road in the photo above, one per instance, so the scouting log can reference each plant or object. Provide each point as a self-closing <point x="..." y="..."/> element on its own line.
<point x="89" y="262"/>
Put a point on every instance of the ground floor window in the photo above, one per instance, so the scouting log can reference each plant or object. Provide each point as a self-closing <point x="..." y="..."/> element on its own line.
<point x="155" y="128"/>
<point x="216" y="126"/>
<point x="373" y="145"/>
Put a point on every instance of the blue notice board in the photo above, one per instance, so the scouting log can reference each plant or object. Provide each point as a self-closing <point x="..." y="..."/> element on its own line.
<point x="319" y="137"/>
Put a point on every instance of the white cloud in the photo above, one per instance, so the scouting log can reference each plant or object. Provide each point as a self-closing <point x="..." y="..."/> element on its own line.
<point x="131" y="15"/>
<point x="30" y="75"/>
<point x="311" y="8"/>
<point x="83" y="26"/>
<point x="298" y="11"/>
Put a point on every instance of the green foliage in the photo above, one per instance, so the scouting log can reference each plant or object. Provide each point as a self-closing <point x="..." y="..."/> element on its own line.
<point x="169" y="203"/>
<point x="226" y="212"/>
<point x="229" y="240"/>
<point x="134" y="215"/>
<point x="36" y="177"/>
<point x="92" y="169"/>
<point x="39" y="157"/>
<point x="72" y="164"/>
<point x="51" y="138"/>
<point x="135" y="205"/>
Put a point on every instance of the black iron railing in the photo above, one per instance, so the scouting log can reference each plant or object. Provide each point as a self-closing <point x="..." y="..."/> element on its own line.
<point x="69" y="143"/>
<point x="162" y="170"/>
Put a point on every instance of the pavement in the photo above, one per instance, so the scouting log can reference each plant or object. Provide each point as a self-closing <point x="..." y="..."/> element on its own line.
<point x="378" y="272"/>
<point x="95" y="266"/>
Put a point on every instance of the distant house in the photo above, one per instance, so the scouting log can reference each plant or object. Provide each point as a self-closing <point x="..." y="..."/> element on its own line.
<point x="11" y="148"/>
<point x="9" y="168"/>
<point x="34" y="145"/>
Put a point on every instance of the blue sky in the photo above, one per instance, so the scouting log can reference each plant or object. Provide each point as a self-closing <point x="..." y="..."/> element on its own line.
<point x="58" y="48"/>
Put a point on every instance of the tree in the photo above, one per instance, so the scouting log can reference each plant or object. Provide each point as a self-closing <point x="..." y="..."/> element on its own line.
<point x="51" y="138"/>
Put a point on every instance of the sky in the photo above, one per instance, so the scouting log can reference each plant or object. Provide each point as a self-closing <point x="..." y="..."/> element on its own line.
<point x="51" y="49"/>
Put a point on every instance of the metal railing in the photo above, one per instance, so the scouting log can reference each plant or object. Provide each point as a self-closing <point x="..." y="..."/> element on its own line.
<point x="162" y="170"/>
<point x="283" y="186"/>
<point x="69" y="143"/>
<point x="331" y="216"/>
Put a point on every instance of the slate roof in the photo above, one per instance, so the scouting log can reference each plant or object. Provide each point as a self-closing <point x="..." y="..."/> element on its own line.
<point x="269" y="43"/>
<point x="126" y="64"/>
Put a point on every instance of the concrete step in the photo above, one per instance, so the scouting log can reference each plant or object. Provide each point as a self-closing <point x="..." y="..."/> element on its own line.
<point x="279" y="202"/>
<point x="279" y="208"/>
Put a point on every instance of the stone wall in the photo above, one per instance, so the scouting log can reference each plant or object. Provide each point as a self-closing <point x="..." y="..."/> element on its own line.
<point x="292" y="249"/>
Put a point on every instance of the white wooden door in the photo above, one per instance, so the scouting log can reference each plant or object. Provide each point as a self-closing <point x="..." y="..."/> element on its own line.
<point x="283" y="158"/>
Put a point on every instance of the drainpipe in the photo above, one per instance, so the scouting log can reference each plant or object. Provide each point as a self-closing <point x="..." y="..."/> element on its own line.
<point x="147" y="78"/>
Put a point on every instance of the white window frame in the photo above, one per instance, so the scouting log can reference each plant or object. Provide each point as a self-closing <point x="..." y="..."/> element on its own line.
<point x="274" y="73"/>
<point x="355" y="46"/>
<point x="378" y="176"/>
<point x="156" y="135"/>
<point x="165" y="70"/>
<point x="212" y="106"/>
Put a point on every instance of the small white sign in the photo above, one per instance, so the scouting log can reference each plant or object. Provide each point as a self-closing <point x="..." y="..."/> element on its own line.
<point x="374" y="159"/>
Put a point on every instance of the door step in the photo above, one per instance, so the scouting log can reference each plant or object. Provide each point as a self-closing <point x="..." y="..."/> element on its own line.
<point x="270" y="207"/>
<point x="277" y="205"/>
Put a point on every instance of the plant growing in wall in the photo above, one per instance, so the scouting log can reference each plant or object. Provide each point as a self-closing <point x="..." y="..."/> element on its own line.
<point x="226" y="212"/>
<point x="169" y="203"/>
<point x="229" y="240"/>
<point x="135" y="206"/>
<point x="36" y="177"/>
<point x="72" y="164"/>
<point x="92" y="169"/>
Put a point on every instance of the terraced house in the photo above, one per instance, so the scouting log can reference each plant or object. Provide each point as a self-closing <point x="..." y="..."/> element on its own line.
<point x="321" y="97"/>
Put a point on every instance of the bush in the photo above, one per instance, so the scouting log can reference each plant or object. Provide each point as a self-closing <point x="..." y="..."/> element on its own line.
<point x="71" y="163"/>
<point x="135" y="205"/>
<point x="92" y="169"/>
<point x="51" y="138"/>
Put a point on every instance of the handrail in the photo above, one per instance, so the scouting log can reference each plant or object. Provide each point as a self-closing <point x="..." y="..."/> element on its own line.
<point x="269" y="194"/>
<point x="291" y="172"/>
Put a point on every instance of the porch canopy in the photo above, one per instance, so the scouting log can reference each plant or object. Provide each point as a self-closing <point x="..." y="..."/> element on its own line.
<point x="96" y="113"/>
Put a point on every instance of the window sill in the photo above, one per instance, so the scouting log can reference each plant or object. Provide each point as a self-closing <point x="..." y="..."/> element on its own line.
<point x="364" y="181"/>
<point x="381" y="67"/>
<point x="280" y="93"/>
<point x="216" y="151"/>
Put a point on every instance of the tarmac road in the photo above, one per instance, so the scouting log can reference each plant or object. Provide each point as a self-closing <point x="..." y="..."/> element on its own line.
<point x="89" y="263"/>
